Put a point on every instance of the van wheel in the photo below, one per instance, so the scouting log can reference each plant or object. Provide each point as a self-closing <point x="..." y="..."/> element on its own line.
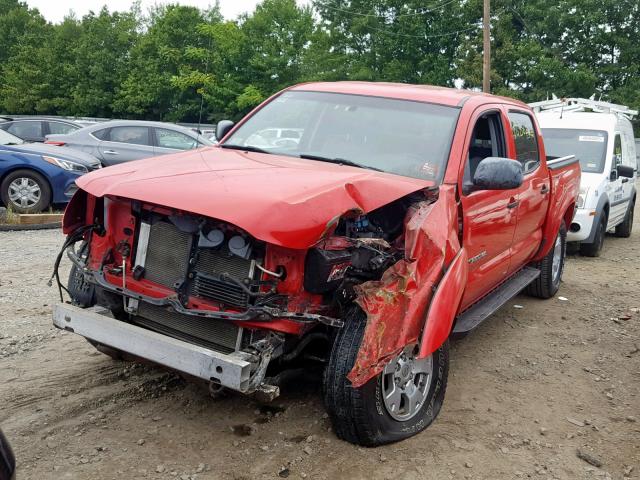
<point x="25" y="191"/>
<point x="396" y="404"/>
<point x="594" y="249"/>
<point x="624" y="229"/>
<point x="551" y="268"/>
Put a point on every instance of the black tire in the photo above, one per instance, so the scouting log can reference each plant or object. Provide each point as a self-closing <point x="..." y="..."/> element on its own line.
<point x="45" y="191"/>
<point x="594" y="249"/>
<point x="548" y="283"/>
<point x="82" y="292"/>
<point x="624" y="229"/>
<point x="358" y="415"/>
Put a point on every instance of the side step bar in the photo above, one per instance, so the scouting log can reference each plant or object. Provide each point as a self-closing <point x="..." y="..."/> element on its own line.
<point x="481" y="310"/>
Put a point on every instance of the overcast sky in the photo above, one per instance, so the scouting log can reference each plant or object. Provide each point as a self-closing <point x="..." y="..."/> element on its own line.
<point x="55" y="10"/>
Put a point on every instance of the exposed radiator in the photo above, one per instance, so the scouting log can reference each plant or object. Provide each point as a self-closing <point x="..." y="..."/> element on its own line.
<point x="216" y="335"/>
<point x="167" y="261"/>
<point x="167" y="254"/>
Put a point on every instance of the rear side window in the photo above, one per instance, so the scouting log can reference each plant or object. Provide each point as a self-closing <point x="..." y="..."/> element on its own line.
<point x="526" y="141"/>
<point x="61" y="128"/>
<point x="134" y="135"/>
<point x="32" y="129"/>
<point x="176" y="140"/>
<point x="101" y="134"/>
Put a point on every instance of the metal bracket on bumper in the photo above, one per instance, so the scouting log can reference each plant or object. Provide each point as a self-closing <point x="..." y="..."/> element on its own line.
<point x="232" y="371"/>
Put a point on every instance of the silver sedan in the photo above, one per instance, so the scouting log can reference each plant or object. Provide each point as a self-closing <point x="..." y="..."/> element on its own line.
<point x="120" y="141"/>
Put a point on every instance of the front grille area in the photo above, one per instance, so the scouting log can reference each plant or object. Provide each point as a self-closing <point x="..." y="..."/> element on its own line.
<point x="214" y="334"/>
<point x="167" y="254"/>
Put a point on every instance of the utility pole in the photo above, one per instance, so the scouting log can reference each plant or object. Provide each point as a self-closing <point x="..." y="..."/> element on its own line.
<point x="486" y="61"/>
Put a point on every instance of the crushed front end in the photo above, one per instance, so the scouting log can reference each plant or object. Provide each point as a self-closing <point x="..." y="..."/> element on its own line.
<point x="207" y="298"/>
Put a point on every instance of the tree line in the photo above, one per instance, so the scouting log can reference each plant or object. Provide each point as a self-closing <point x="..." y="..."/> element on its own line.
<point x="181" y="63"/>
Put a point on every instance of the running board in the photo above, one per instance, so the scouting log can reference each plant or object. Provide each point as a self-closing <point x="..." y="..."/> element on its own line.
<point x="481" y="310"/>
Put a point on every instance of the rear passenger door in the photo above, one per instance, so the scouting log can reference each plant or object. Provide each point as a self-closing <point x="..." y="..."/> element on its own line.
<point x="533" y="195"/>
<point x="126" y="143"/>
<point x="172" y="141"/>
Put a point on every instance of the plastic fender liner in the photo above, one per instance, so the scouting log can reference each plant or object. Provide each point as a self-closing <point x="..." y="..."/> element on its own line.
<point x="397" y="304"/>
<point x="444" y="305"/>
<point x="75" y="213"/>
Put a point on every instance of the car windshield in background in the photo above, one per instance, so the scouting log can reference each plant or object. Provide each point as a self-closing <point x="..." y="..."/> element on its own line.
<point x="403" y="137"/>
<point x="7" y="139"/>
<point x="589" y="146"/>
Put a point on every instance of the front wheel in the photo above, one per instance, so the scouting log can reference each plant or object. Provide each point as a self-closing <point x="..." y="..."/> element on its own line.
<point x="396" y="404"/>
<point x="624" y="229"/>
<point x="594" y="249"/>
<point x="25" y="191"/>
<point x="551" y="268"/>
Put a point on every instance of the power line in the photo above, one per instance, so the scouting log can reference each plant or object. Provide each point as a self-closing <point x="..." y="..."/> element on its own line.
<point x="372" y="15"/>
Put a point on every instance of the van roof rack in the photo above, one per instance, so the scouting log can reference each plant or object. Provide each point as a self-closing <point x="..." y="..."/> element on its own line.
<point x="582" y="104"/>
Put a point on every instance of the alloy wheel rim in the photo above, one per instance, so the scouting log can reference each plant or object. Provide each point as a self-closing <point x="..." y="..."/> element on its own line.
<point x="24" y="192"/>
<point x="556" y="264"/>
<point x="405" y="385"/>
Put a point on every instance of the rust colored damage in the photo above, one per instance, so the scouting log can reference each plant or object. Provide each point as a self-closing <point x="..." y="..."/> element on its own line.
<point x="396" y="305"/>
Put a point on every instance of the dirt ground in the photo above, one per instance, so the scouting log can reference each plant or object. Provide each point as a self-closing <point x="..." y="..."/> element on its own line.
<point x="530" y="388"/>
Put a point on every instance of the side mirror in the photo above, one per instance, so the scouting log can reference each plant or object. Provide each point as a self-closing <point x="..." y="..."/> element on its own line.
<point x="222" y="128"/>
<point x="625" y="171"/>
<point x="496" y="173"/>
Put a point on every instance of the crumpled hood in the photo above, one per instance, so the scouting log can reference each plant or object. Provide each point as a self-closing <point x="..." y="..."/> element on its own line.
<point x="281" y="200"/>
<point x="55" y="151"/>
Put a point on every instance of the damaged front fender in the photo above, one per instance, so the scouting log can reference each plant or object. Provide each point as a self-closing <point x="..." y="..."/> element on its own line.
<point x="396" y="305"/>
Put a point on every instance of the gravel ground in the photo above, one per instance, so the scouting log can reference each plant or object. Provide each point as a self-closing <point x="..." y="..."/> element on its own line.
<point x="549" y="390"/>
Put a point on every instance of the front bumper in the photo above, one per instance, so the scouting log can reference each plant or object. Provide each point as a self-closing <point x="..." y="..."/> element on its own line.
<point x="581" y="226"/>
<point x="232" y="371"/>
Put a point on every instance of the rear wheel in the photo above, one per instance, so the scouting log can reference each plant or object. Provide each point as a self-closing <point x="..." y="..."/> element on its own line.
<point x="594" y="249"/>
<point x="624" y="229"/>
<point x="25" y="191"/>
<point x="396" y="404"/>
<point x="551" y="268"/>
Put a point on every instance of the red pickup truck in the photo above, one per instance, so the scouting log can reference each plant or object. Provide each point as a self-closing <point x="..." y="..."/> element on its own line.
<point x="349" y="228"/>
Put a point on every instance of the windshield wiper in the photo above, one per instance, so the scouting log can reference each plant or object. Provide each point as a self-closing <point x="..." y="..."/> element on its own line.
<point x="337" y="161"/>
<point x="246" y="148"/>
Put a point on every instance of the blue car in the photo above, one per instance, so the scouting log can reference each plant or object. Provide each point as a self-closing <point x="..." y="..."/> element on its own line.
<point x="34" y="176"/>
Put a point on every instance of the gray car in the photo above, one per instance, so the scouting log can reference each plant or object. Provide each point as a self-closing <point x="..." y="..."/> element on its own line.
<point x="120" y="141"/>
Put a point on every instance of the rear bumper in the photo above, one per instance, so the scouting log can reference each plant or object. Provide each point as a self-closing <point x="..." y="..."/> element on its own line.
<point x="232" y="371"/>
<point x="581" y="226"/>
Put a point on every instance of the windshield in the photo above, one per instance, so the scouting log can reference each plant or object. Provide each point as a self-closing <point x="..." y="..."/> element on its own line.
<point x="396" y="136"/>
<point x="589" y="146"/>
<point x="7" y="139"/>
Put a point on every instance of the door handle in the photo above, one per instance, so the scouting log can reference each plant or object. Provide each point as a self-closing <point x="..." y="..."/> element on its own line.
<point x="512" y="204"/>
<point x="625" y="180"/>
<point x="110" y="152"/>
<point x="544" y="189"/>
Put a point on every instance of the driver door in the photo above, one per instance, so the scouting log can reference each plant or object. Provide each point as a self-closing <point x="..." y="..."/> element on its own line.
<point x="489" y="216"/>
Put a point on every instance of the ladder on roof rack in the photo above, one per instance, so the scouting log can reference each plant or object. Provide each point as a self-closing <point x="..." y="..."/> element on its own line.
<point x="581" y="104"/>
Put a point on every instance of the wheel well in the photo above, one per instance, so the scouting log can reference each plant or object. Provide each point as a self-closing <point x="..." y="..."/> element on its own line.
<point x="30" y="169"/>
<point x="568" y="215"/>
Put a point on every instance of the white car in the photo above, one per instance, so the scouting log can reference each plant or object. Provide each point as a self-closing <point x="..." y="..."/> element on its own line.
<point x="600" y="134"/>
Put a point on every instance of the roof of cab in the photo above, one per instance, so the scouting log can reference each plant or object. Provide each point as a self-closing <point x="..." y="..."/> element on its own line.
<point x="403" y="91"/>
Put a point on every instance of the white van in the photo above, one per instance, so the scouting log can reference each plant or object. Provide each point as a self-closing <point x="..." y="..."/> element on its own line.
<point x="600" y="134"/>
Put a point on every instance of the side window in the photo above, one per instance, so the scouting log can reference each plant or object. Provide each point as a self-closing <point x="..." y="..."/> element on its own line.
<point x="617" y="152"/>
<point x="101" y="134"/>
<point x="176" y="140"/>
<point x="30" y="129"/>
<point x="526" y="141"/>
<point x="133" y="135"/>
<point x="487" y="140"/>
<point x="62" y="128"/>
